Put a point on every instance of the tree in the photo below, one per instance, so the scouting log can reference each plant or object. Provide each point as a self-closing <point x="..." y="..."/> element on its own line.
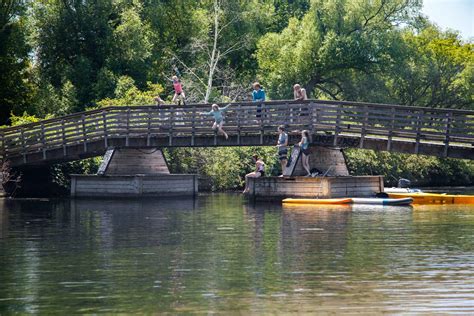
<point x="331" y="42"/>
<point x="15" y="89"/>
<point x="437" y="70"/>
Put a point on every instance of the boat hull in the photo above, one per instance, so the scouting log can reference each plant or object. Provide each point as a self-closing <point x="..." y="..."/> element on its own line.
<point x="381" y="201"/>
<point x="435" y="198"/>
<point x="317" y="201"/>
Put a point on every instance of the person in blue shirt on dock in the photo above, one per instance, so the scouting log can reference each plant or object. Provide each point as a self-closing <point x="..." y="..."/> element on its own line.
<point x="258" y="95"/>
<point x="216" y="112"/>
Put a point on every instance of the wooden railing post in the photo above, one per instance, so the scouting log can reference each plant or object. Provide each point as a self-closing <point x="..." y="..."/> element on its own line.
<point x="337" y="127"/>
<point x="170" y="133"/>
<point x="419" y="117"/>
<point x="193" y="124"/>
<point x="84" y="134"/>
<point x="239" y="113"/>
<point x="148" y="128"/>
<point x="104" y="120"/>
<point x="390" y="131"/>
<point x="262" y="131"/>
<point x="43" y="141"/>
<point x="63" y="137"/>
<point x="127" y="128"/>
<point x="449" y="117"/>
<point x="23" y="145"/>
<point x="4" y="154"/>
<point x="364" y="126"/>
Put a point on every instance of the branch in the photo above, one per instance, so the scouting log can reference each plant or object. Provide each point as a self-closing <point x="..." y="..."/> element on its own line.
<point x="189" y="69"/>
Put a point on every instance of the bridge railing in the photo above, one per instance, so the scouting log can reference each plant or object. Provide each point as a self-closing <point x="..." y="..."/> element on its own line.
<point x="447" y="127"/>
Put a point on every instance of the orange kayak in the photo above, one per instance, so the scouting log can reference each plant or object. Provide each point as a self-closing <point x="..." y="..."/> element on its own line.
<point x="317" y="201"/>
<point x="435" y="198"/>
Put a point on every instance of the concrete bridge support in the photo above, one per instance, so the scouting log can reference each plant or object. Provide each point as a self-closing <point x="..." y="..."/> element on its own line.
<point x="329" y="161"/>
<point x="134" y="172"/>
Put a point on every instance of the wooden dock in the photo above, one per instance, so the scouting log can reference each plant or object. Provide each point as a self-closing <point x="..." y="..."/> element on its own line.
<point x="277" y="188"/>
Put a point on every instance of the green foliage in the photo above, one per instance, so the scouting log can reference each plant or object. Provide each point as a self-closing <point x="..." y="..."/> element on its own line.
<point x="421" y="170"/>
<point x="60" y="172"/>
<point x="14" y="48"/>
<point x="226" y="167"/>
<point x="127" y="94"/>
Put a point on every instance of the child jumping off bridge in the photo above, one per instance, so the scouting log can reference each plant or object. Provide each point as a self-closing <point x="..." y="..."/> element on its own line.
<point x="216" y="112"/>
<point x="178" y="87"/>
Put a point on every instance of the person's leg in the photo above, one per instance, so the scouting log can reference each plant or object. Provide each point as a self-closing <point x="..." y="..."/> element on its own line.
<point x="214" y="126"/>
<point x="306" y="164"/>
<point x="175" y="97"/>
<point x="220" y="125"/>
<point x="183" y="98"/>
<point x="283" y="163"/>
<point x="248" y="175"/>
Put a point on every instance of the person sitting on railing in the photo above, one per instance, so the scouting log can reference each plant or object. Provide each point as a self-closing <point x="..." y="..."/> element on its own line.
<point x="159" y="101"/>
<point x="216" y="112"/>
<point x="258" y="95"/>
<point x="299" y="93"/>
<point x="259" y="172"/>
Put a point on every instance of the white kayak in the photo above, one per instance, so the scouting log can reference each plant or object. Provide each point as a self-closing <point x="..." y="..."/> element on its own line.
<point x="400" y="190"/>
<point x="382" y="201"/>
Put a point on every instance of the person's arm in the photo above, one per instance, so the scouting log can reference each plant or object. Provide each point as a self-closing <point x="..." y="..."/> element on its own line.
<point x="225" y="108"/>
<point x="254" y="96"/>
<point x="303" y="94"/>
<point x="206" y="113"/>
<point x="263" y="96"/>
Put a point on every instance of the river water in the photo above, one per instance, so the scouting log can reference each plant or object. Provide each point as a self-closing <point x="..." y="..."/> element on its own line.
<point x="221" y="254"/>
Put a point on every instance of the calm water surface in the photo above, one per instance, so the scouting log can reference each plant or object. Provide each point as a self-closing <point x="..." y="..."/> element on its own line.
<point x="221" y="254"/>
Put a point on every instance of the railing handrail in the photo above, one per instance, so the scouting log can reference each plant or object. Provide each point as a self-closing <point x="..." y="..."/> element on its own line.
<point x="246" y="103"/>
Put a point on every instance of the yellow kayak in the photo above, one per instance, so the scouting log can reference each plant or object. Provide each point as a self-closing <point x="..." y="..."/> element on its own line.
<point x="435" y="198"/>
<point x="317" y="201"/>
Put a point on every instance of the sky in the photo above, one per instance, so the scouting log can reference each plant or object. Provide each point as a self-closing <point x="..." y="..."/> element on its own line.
<point x="452" y="14"/>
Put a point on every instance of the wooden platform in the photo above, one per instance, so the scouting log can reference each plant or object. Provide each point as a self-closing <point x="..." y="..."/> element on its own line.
<point x="134" y="185"/>
<point x="276" y="188"/>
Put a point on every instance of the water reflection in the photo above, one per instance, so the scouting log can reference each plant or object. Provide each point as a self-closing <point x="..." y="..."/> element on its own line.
<point x="221" y="254"/>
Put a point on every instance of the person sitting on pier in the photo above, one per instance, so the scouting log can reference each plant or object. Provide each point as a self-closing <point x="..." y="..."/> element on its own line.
<point x="259" y="172"/>
<point x="216" y="112"/>
<point x="282" y="145"/>
<point x="304" y="144"/>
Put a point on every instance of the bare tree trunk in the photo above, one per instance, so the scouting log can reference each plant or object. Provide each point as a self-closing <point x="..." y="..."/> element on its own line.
<point x="215" y="53"/>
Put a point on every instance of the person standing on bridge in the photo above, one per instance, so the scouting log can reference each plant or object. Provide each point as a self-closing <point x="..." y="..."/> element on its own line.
<point x="282" y="145"/>
<point x="216" y="112"/>
<point x="258" y="95"/>
<point x="304" y="144"/>
<point x="259" y="172"/>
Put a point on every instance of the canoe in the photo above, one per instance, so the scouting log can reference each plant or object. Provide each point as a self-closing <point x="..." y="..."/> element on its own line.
<point x="317" y="201"/>
<point x="380" y="201"/>
<point x="435" y="198"/>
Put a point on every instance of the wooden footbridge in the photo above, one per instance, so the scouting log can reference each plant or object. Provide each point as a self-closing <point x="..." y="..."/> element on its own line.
<point x="415" y="130"/>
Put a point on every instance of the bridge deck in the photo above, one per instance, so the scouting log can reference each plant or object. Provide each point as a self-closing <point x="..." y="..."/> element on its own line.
<point x="439" y="132"/>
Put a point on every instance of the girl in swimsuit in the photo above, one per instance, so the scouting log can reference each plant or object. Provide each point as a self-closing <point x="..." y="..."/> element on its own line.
<point x="216" y="112"/>
<point x="259" y="172"/>
<point x="304" y="144"/>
